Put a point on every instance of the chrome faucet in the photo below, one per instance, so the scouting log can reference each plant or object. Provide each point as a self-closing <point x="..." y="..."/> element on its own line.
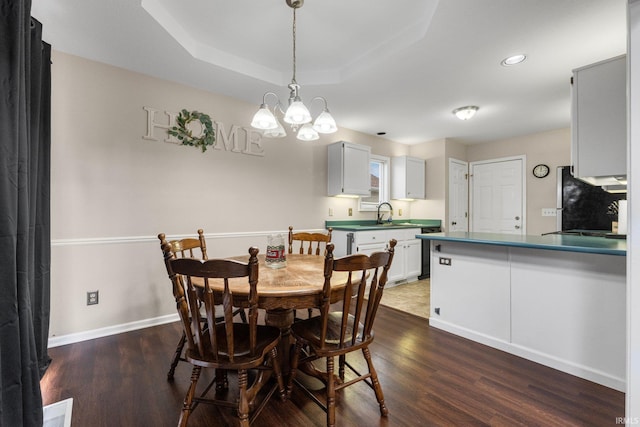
<point x="379" y="217"/>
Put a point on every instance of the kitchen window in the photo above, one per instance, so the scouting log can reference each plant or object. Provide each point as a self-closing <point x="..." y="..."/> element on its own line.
<point x="379" y="178"/>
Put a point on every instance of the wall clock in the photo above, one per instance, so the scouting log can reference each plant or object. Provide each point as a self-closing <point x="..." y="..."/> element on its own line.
<point x="540" y="171"/>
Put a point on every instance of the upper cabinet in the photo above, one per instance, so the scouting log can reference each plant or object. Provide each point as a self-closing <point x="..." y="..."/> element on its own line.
<point x="599" y="121"/>
<point x="407" y="178"/>
<point x="348" y="171"/>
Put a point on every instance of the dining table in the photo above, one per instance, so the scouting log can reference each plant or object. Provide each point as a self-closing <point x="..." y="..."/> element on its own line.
<point x="296" y="286"/>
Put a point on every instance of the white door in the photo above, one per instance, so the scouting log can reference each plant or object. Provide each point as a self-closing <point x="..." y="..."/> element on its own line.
<point x="458" y="196"/>
<point x="497" y="196"/>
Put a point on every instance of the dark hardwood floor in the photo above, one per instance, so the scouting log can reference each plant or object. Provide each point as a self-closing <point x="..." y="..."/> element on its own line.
<point x="429" y="378"/>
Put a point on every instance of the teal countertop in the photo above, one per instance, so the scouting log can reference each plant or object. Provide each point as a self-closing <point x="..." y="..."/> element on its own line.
<point x="554" y="242"/>
<point x="363" y="225"/>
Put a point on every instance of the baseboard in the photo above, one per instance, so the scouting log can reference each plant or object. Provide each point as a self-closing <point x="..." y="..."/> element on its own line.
<point x="111" y="330"/>
<point x="563" y="365"/>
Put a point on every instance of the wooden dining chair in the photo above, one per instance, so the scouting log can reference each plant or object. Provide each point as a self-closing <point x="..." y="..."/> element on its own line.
<point x="309" y="241"/>
<point x="344" y="326"/>
<point x="188" y="248"/>
<point x="309" y="244"/>
<point x="224" y="346"/>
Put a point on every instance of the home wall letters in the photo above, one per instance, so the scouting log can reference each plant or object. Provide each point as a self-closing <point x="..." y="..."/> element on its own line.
<point x="248" y="141"/>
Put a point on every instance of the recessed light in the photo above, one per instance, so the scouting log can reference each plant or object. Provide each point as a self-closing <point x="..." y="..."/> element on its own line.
<point x="513" y="60"/>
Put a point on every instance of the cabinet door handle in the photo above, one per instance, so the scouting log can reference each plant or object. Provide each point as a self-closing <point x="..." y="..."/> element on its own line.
<point x="438" y="248"/>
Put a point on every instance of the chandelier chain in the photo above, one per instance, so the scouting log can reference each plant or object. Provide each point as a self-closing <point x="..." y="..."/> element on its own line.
<point x="294" y="46"/>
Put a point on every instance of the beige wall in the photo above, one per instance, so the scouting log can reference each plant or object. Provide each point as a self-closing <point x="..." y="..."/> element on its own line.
<point x="113" y="191"/>
<point x="434" y="205"/>
<point x="552" y="148"/>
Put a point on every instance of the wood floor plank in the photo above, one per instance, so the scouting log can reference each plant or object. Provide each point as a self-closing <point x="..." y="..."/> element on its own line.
<point x="429" y="378"/>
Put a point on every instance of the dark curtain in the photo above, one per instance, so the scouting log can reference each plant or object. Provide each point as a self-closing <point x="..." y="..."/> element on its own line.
<point x="25" y="251"/>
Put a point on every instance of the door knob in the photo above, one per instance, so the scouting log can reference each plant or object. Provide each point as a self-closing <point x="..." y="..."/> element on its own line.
<point x="453" y="223"/>
<point x="517" y="227"/>
<point x="517" y="218"/>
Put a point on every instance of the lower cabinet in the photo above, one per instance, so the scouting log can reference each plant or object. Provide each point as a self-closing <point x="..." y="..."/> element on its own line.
<point x="407" y="260"/>
<point x="566" y="310"/>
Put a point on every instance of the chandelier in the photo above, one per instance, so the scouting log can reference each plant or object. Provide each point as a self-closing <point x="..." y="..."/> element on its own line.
<point x="297" y="115"/>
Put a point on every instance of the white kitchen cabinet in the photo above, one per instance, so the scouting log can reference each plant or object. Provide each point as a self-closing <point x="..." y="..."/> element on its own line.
<point x="407" y="259"/>
<point x="348" y="169"/>
<point x="407" y="178"/>
<point x="599" y="121"/>
<point x="413" y="258"/>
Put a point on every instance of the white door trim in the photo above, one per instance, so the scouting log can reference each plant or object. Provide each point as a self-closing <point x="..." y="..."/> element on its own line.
<point x="451" y="214"/>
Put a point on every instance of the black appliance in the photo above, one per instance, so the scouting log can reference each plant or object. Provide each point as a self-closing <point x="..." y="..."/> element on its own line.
<point x="426" y="252"/>
<point x="584" y="207"/>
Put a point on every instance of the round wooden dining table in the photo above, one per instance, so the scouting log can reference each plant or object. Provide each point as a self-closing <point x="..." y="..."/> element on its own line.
<point x="283" y="290"/>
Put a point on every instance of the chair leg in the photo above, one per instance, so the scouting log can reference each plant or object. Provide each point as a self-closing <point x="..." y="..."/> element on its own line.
<point x="341" y="361"/>
<point x="376" y="384"/>
<point x="331" y="394"/>
<point x="176" y="357"/>
<point x="277" y="371"/>
<point x="293" y="363"/>
<point x="243" y="400"/>
<point x="243" y="315"/>
<point x="188" y="399"/>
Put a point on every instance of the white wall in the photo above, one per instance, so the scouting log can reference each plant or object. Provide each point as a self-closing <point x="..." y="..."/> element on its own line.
<point x="633" y="232"/>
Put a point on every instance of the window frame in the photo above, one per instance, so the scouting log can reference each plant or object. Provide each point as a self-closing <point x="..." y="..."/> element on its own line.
<point x="383" y="195"/>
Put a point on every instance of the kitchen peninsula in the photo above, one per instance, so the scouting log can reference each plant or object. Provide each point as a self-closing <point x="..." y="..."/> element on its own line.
<point x="559" y="300"/>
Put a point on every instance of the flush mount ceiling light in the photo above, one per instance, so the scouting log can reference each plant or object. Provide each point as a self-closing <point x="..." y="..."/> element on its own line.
<point x="297" y="114"/>
<point x="465" y="113"/>
<point x="513" y="60"/>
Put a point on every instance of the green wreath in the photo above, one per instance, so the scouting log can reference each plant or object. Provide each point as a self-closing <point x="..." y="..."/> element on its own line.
<point x="185" y="135"/>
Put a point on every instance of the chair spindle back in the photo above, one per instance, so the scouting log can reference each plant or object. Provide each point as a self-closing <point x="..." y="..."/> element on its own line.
<point x="309" y="241"/>
<point x="352" y="305"/>
<point x="192" y="285"/>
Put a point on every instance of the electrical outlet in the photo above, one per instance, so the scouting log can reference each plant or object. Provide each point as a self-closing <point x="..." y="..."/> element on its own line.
<point x="350" y="211"/>
<point x="399" y="212"/>
<point x="330" y="211"/>
<point x="92" y="297"/>
<point x="549" y="211"/>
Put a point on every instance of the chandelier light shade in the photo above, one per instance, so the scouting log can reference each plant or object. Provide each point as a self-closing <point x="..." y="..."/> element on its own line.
<point x="465" y="113"/>
<point x="277" y="132"/>
<point x="264" y="119"/>
<point x="307" y="133"/>
<point x="324" y="122"/>
<point x="297" y="115"/>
